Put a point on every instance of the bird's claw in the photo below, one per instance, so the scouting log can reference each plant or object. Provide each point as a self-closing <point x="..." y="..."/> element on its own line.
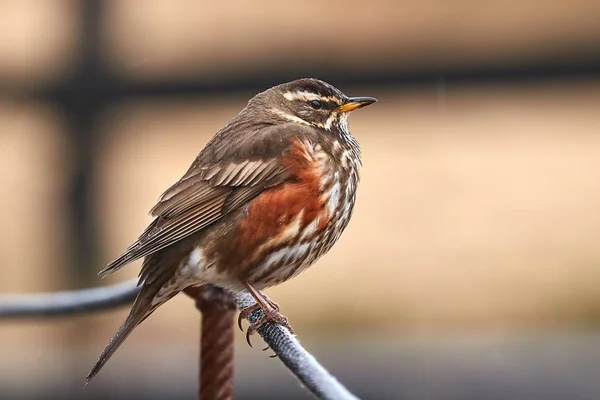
<point x="245" y="313"/>
<point x="272" y="315"/>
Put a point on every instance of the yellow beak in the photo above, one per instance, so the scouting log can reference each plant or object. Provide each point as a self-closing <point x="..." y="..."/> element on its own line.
<point x="354" y="103"/>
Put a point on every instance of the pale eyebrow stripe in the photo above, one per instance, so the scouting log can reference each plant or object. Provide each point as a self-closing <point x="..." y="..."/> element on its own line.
<point x="308" y="96"/>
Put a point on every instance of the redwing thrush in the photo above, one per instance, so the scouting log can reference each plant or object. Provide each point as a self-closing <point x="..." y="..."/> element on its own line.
<point x="268" y="195"/>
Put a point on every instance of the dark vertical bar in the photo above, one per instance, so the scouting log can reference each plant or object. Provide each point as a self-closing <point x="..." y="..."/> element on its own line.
<point x="83" y="101"/>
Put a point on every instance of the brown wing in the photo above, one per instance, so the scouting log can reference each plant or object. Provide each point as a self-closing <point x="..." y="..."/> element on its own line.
<point x="230" y="171"/>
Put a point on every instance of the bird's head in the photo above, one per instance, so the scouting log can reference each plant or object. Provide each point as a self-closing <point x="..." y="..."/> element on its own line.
<point x="310" y="102"/>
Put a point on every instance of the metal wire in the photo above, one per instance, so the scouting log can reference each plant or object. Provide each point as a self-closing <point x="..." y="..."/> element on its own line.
<point x="68" y="302"/>
<point x="216" y="342"/>
<point x="287" y="348"/>
<point x="316" y="379"/>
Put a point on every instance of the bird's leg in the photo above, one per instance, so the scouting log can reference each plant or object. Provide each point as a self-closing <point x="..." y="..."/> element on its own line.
<point x="262" y="302"/>
<point x="269" y="308"/>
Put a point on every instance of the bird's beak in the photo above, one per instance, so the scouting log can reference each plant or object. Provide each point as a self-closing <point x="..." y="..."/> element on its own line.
<point x="356" y="102"/>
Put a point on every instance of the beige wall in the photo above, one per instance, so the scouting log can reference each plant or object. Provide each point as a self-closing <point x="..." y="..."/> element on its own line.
<point x="155" y="39"/>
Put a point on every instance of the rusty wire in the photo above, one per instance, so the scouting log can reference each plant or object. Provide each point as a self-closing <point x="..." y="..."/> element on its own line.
<point x="216" y="342"/>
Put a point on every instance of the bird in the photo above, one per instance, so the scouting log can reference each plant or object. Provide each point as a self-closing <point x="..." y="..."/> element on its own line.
<point x="267" y="196"/>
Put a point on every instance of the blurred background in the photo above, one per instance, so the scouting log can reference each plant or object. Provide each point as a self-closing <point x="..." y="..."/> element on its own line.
<point x="472" y="264"/>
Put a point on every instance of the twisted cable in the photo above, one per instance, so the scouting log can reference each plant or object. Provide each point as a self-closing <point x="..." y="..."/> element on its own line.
<point x="216" y="342"/>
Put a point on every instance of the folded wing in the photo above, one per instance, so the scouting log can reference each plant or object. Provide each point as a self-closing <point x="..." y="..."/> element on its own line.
<point x="228" y="173"/>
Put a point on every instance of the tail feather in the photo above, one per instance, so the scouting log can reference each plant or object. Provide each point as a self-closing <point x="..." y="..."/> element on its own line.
<point x="145" y="304"/>
<point x="122" y="334"/>
<point x="160" y="282"/>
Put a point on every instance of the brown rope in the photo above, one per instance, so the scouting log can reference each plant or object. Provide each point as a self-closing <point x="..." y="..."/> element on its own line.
<point x="216" y="343"/>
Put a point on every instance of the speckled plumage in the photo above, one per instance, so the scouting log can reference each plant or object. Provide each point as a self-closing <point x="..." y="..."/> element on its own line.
<point x="268" y="195"/>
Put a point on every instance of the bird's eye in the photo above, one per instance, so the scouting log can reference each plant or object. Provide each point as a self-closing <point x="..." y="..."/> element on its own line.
<point x="316" y="104"/>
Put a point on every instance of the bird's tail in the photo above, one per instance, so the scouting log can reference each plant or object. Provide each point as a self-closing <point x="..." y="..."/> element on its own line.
<point x="147" y="301"/>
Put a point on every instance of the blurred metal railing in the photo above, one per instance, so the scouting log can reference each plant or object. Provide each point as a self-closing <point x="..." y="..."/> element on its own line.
<point x="216" y="347"/>
<point x="91" y="87"/>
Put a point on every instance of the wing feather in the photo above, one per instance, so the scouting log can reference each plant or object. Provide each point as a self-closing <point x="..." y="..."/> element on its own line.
<point x="230" y="171"/>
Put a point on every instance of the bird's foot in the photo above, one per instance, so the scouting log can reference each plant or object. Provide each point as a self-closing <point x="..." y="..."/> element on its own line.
<point x="270" y="314"/>
<point x="256" y="306"/>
